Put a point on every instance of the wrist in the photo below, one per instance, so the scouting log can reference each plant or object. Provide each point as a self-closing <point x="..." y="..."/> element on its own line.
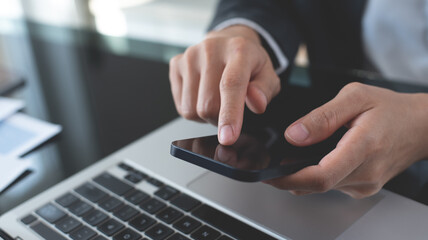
<point x="236" y="31"/>
<point x="422" y="112"/>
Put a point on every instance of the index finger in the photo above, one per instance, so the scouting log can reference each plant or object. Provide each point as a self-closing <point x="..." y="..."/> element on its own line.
<point x="233" y="92"/>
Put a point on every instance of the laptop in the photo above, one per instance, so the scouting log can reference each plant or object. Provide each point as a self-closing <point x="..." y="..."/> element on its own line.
<point x="142" y="192"/>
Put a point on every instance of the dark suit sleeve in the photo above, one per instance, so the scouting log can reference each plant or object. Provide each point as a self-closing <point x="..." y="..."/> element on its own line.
<point x="274" y="16"/>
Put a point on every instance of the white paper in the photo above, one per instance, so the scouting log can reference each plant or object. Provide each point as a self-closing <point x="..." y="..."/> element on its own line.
<point x="21" y="133"/>
<point x="9" y="106"/>
<point x="11" y="169"/>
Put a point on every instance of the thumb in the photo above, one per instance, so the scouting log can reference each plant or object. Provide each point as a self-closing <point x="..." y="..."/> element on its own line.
<point x="322" y="122"/>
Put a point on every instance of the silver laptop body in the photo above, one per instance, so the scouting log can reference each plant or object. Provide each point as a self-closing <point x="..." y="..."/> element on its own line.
<point x="277" y="213"/>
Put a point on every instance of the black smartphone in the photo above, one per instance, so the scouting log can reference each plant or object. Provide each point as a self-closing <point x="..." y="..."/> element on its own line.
<point x="257" y="155"/>
<point x="261" y="152"/>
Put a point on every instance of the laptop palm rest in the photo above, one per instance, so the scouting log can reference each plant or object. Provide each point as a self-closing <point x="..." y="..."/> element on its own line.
<point x="320" y="216"/>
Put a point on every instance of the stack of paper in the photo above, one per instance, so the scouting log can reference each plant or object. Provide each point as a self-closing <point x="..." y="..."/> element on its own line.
<point x="9" y="107"/>
<point x="19" y="134"/>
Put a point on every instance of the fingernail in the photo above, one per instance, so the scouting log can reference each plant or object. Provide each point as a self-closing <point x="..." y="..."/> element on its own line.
<point x="298" y="133"/>
<point x="226" y="134"/>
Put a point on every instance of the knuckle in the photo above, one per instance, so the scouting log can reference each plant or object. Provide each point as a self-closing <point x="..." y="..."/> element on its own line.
<point x="188" y="61"/>
<point x="173" y="68"/>
<point x="207" y="109"/>
<point x="239" y="44"/>
<point x="232" y="81"/>
<point x="353" y="87"/>
<point x="209" y="47"/>
<point x="187" y="113"/>
<point x="357" y="91"/>
<point x="324" y="119"/>
<point x="323" y="184"/>
<point x="190" y="54"/>
<point x="173" y="62"/>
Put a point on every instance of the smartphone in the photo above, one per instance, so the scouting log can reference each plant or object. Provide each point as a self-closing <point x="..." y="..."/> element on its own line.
<point x="257" y="155"/>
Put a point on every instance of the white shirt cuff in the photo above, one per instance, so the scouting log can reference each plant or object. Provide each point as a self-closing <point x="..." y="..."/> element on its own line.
<point x="282" y="59"/>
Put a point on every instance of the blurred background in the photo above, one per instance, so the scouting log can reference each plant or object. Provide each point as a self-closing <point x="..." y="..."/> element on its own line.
<point x="99" y="68"/>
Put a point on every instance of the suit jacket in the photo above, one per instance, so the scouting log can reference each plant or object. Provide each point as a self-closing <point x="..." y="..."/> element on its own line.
<point x="331" y="29"/>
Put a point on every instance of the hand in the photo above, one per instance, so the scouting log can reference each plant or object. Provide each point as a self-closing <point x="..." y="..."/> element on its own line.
<point x="213" y="80"/>
<point x="388" y="132"/>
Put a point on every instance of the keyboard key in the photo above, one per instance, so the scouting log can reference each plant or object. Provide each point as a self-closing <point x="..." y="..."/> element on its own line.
<point x="110" y="204"/>
<point x="159" y="232"/>
<point x="134" y="177"/>
<point x="66" y="199"/>
<point x="152" y="206"/>
<point x="28" y="219"/>
<point x="178" y="236"/>
<point x="50" y="213"/>
<point x="187" y="224"/>
<point x="140" y="174"/>
<point x="67" y="224"/>
<point x="169" y="215"/>
<point x="127" y="234"/>
<point x="185" y="202"/>
<point x="83" y="233"/>
<point x="125" y="166"/>
<point x="155" y="182"/>
<point x="205" y="233"/>
<point x="142" y="222"/>
<point x="125" y="213"/>
<point x="46" y="232"/>
<point x="95" y="217"/>
<point x="228" y="224"/>
<point x="80" y="208"/>
<point x="166" y="192"/>
<point x="113" y="184"/>
<point x="110" y="227"/>
<point x="99" y="238"/>
<point x="136" y="197"/>
<point x="90" y="192"/>
<point x="225" y="238"/>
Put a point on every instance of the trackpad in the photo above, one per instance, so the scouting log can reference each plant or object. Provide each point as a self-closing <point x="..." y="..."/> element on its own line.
<point x="320" y="216"/>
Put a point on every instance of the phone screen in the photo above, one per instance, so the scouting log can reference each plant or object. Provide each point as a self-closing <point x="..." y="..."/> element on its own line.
<point x="257" y="155"/>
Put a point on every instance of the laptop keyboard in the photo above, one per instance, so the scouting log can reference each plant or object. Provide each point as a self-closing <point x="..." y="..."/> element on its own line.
<point x="108" y="207"/>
